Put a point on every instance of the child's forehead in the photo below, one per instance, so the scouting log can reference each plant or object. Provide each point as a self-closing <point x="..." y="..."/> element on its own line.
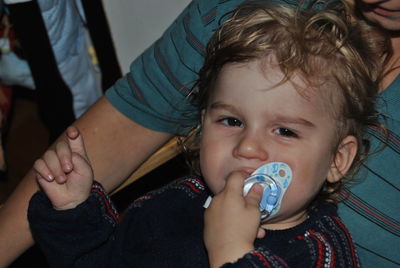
<point x="272" y="71"/>
<point x="267" y="75"/>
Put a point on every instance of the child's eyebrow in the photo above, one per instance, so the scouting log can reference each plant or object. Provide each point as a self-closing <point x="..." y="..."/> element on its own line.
<point x="222" y="106"/>
<point x="283" y="119"/>
<point x="294" y="120"/>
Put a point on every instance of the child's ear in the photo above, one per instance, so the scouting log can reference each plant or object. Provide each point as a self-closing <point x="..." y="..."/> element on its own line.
<point x="343" y="159"/>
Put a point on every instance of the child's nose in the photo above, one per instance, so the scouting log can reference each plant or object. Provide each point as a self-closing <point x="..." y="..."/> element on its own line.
<point x="251" y="146"/>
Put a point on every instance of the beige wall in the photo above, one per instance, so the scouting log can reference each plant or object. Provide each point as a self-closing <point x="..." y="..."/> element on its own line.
<point x="135" y="24"/>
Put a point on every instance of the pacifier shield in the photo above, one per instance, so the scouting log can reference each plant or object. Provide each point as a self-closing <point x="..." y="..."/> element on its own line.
<point x="275" y="178"/>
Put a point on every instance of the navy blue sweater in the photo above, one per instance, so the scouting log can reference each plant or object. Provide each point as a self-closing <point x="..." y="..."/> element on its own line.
<point x="165" y="229"/>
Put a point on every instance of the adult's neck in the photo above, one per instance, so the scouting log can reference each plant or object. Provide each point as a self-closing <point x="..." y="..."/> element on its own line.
<point x="393" y="65"/>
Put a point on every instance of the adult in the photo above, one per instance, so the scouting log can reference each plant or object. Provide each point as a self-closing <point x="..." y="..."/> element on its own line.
<point x="372" y="208"/>
<point x="150" y="104"/>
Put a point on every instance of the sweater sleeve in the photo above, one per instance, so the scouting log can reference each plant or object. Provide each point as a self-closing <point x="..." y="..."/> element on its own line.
<point x="258" y="258"/>
<point x="66" y="237"/>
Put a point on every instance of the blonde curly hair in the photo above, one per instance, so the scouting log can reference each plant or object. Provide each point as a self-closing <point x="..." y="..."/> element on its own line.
<point x="304" y="41"/>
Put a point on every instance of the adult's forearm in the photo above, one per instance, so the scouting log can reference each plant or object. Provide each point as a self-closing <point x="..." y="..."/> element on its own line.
<point x="116" y="146"/>
<point x="14" y="228"/>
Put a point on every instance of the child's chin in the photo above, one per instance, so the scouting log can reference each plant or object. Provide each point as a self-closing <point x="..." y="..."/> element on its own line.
<point x="214" y="187"/>
<point x="281" y="221"/>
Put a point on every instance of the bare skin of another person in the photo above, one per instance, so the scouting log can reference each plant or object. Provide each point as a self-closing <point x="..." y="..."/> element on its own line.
<point x="116" y="145"/>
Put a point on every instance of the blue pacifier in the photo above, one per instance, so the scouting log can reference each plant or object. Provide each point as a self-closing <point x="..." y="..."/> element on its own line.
<point x="275" y="178"/>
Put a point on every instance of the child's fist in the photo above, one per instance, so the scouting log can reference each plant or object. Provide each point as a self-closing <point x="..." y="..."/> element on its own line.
<point x="232" y="221"/>
<point x="64" y="172"/>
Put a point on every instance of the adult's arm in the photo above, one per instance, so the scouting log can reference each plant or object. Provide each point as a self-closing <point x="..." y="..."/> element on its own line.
<point x="154" y="95"/>
<point x="112" y="141"/>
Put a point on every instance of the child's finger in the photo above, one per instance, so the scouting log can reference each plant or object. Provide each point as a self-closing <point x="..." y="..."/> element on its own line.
<point x="76" y="142"/>
<point x="254" y="195"/>
<point x="235" y="182"/>
<point x="42" y="182"/>
<point x="53" y="163"/>
<point x="72" y="132"/>
<point x="42" y="170"/>
<point x="65" y="156"/>
<point x="81" y="165"/>
<point x="261" y="233"/>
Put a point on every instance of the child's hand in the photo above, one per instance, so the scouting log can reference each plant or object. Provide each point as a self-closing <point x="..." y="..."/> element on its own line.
<point x="232" y="221"/>
<point x="64" y="173"/>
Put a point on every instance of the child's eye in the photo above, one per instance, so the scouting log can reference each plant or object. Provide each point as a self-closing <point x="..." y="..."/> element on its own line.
<point x="231" y="122"/>
<point x="285" y="132"/>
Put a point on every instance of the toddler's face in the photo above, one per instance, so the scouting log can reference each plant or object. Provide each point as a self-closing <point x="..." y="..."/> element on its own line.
<point x="249" y="122"/>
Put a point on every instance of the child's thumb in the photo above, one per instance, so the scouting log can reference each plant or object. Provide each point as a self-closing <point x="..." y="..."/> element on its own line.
<point x="253" y="197"/>
<point x="81" y="164"/>
<point x="76" y="142"/>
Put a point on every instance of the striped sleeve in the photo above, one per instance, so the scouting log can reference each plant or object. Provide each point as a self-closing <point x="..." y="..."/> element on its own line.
<point x="371" y="207"/>
<point x="156" y="91"/>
